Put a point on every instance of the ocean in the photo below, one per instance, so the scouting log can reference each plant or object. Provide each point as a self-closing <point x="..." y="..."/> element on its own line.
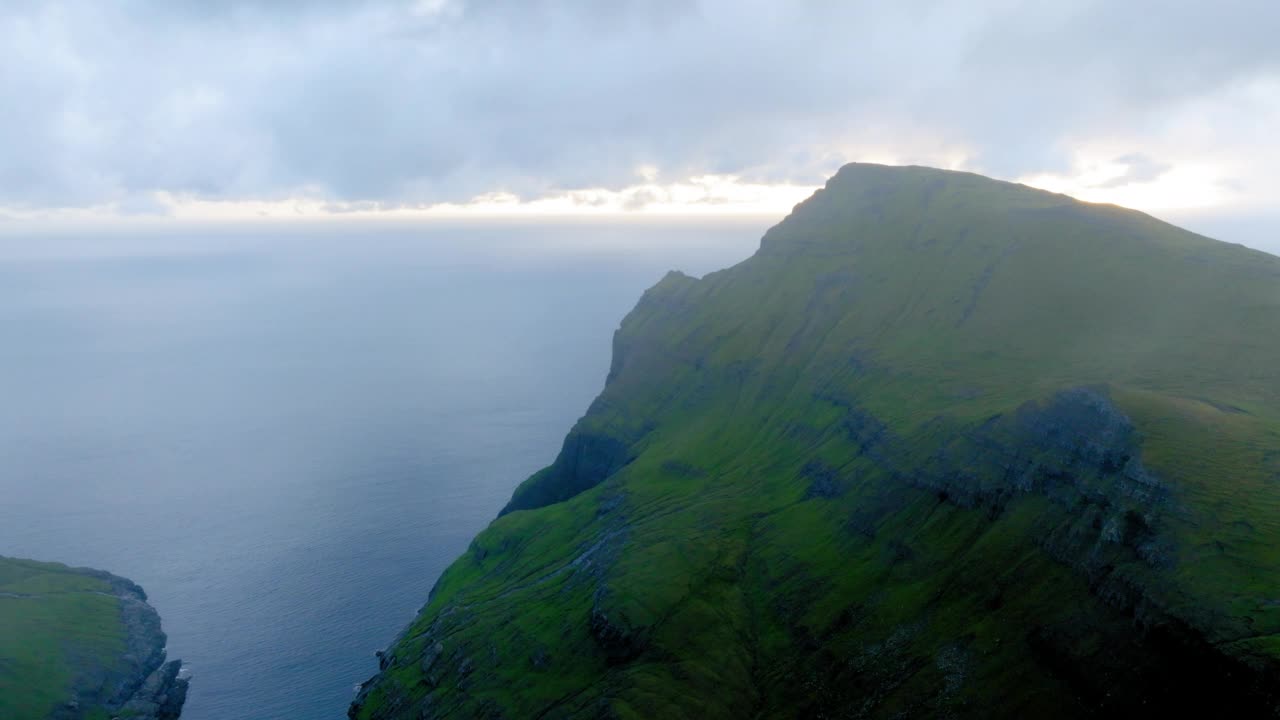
<point x="285" y="433"/>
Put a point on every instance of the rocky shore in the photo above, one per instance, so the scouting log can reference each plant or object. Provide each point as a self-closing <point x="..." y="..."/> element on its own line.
<point x="147" y="686"/>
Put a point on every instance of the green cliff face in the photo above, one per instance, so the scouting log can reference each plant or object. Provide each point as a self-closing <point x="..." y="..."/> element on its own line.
<point x="944" y="446"/>
<point x="80" y="644"/>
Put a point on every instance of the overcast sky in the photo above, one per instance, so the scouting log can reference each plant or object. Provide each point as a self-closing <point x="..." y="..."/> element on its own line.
<point x="212" y="108"/>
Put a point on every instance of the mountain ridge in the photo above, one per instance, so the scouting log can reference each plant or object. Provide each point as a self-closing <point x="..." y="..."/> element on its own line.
<point x="942" y="439"/>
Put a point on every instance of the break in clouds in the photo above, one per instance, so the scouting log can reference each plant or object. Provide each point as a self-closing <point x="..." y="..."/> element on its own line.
<point x="401" y="102"/>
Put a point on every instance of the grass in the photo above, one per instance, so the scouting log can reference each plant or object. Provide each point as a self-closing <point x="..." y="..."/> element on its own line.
<point x="917" y="305"/>
<point x="54" y="621"/>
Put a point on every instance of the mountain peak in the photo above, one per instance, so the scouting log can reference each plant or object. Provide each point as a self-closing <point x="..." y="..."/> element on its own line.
<point x="944" y="446"/>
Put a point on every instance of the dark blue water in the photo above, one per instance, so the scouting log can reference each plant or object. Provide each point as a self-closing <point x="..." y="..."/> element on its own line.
<point x="285" y="439"/>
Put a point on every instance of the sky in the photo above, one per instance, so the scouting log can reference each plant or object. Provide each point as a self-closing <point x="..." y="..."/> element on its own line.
<point x="154" y="111"/>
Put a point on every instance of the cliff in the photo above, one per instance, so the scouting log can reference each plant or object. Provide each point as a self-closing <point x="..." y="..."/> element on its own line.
<point x="82" y="643"/>
<point x="944" y="446"/>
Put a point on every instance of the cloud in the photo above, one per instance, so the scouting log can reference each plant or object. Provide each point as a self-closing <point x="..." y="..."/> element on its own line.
<point x="1137" y="169"/>
<point x="412" y="102"/>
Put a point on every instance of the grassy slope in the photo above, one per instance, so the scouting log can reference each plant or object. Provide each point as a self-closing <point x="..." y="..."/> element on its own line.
<point x="929" y="302"/>
<point x="53" y="619"/>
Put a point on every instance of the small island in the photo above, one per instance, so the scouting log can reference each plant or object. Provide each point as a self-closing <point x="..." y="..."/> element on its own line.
<point x="81" y="644"/>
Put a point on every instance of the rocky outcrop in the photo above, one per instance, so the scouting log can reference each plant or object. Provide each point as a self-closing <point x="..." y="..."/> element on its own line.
<point x="1075" y="448"/>
<point x="614" y="633"/>
<point x="585" y="460"/>
<point x="143" y="685"/>
<point x="160" y="696"/>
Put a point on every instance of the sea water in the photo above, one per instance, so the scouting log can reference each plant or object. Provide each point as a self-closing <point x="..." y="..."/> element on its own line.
<point x="285" y="434"/>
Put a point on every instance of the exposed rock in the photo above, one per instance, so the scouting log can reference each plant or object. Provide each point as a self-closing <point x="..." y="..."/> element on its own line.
<point x="585" y="460"/>
<point x="428" y="664"/>
<point x="1077" y="449"/>
<point x="614" y="633"/>
<point x="824" y="480"/>
<point x="161" y="696"/>
<point x="143" y="686"/>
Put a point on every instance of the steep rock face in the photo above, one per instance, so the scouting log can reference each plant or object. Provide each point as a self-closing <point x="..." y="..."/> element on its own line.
<point x="110" y="659"/>
<point x="144" y="685"/>
<point x="585" y="461"/>
<point x="944" y="446"/>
